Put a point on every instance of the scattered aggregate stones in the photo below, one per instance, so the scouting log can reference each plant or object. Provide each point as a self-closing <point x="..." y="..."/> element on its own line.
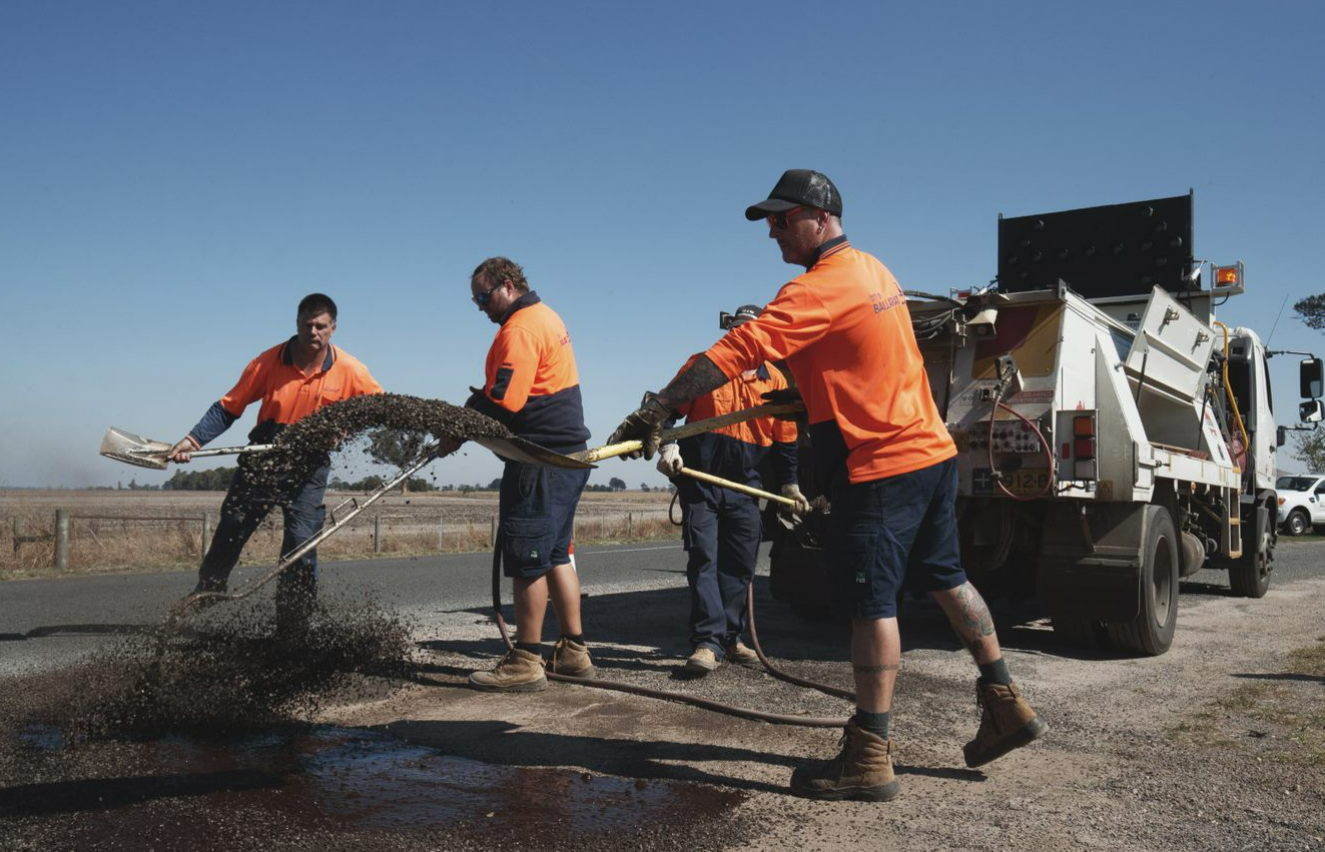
<point x="307" y="445"/>
<point x="219" y="674"/>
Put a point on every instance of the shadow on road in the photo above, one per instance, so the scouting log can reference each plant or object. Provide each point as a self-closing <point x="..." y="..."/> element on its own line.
<point x="106" y="794"/>
<point x="653" y="624"/>
<point x="80" y="630"/>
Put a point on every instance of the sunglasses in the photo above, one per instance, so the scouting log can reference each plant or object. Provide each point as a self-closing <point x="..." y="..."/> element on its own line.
<point x="779" y="220"/>
<point x="482" y="299"/>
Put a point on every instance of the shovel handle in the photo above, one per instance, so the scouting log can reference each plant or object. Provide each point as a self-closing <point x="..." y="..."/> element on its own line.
<point x="736" y="486"/>
<point x="163" y="455"/>
<point x="697" y="428"/>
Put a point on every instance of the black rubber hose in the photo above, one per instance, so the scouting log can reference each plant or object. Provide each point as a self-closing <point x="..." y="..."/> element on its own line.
<point x="835" y="691"/>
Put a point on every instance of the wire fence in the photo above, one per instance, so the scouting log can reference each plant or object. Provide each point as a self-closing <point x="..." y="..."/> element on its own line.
<point x="62" y="542"/>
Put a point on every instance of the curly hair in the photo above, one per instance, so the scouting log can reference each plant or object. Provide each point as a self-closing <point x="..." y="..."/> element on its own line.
<point x="494" y="270"/>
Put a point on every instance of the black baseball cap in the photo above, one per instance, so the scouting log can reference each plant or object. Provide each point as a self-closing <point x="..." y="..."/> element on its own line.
<point x="798" y="188"/>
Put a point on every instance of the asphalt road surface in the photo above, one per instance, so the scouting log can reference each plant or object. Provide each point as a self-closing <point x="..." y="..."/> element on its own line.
<point x="1138" y="758"/>
<point x="49" y="622"/>
<point x="45" y="623"/>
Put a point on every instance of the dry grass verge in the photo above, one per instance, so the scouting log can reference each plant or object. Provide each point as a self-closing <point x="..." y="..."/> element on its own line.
<point x="119" y="532"/>
<point x="1276" y="716"/>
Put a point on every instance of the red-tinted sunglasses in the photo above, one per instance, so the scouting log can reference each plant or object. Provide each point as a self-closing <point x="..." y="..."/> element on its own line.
<point x="779" y="220"/>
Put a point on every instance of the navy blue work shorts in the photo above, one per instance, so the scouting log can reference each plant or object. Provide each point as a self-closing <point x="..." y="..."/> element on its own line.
<point x="891" y="532"/>
<point x="537" y="517"/>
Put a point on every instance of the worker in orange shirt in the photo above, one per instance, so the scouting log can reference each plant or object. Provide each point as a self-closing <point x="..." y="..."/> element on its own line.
<point x="886" y="461"/>
<point x="721" y="528"/>
<point x="532" y="385"/>
<point x="293" y="380"/>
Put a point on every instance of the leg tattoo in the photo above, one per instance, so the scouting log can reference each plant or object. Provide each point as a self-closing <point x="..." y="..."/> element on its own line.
<point x="888" y="667"/>
<point x="976" y="622"/>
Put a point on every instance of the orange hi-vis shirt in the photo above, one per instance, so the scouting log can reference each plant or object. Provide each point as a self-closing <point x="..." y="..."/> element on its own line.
<point x="743" y="392"/>
<point x="844" y="330"/>
<point x="737" y="451"/>
<point x="288" y="394"/>
<point x="531" y="383"/>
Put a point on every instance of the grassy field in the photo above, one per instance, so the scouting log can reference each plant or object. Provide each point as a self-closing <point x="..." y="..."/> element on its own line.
<point x="124" y="531"/>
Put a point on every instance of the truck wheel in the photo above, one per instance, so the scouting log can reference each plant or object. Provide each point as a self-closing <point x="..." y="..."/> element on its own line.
<point x="1151" y="632"/>
<point x="1081" y="632"/>
<point x="1249" y="574"/>
<point x="1297" y="523"/>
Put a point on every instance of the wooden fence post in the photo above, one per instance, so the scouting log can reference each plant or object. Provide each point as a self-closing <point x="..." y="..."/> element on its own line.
<point x="377" y="533"/>
<point x="441" y="533"/>
<point x="18" y="533"/>
<point x="208" y="524"/>
<point x="61" y="540"/>
<point x="494" y="530"/>
<point x="630" y="525"/>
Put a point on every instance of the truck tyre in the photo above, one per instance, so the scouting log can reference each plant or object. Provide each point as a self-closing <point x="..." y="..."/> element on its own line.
<point x="1081" y="632"/>
<point x="1151" y="632"/>
<point x="1249" y="574"/>
<point x="1297" y="523"/>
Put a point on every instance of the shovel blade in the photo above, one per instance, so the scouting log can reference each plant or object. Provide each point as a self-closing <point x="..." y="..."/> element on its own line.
<point x="134" y="449"/>
<point x="519" y="449"/>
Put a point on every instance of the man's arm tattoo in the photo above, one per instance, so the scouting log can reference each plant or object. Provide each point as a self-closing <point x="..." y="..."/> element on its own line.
<point x="702" y="377"/>
<point x="888" y="667"/>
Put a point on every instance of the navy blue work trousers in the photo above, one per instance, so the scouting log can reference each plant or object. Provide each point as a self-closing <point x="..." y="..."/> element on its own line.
<point x="721" y="531"/>
<point x="244" y="509"/>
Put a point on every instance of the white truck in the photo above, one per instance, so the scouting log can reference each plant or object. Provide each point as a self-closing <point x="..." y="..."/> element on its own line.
<point x="1113" y="436"/>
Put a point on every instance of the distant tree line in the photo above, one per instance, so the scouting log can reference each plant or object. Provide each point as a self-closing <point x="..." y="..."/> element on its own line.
<point x="219" y="479"/>
<point x="216" y="479"/>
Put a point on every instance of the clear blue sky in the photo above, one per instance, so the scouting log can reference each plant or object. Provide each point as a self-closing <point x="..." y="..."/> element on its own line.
<point x="176" y="175"/>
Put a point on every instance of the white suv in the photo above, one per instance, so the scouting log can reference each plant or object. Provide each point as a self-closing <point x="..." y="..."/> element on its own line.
<point x="1301" y="502"/>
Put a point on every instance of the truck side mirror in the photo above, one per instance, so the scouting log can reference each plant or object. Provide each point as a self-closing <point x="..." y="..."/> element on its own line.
<point x="1311" y="412"/>
<point x="1281" y="436"/>
<point x="1310" y="371"/>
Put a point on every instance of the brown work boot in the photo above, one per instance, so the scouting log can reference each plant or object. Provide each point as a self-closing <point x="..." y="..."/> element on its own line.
<point x="518" y="671"/>
<point x="571" y="658"/>
<point x="738" y="653"/>
<point x="863" y="770"/>
<point x="702" y="661"/>
<point x="1006" y="722"/>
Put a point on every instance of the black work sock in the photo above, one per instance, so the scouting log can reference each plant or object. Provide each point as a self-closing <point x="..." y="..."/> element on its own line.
<point x="875" y="723"/>
<point x="531" y="647"/>
<point x="995" y="672"/>
<point x="574" y="637"/>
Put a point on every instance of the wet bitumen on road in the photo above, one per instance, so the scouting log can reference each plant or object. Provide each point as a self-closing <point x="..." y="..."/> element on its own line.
<point x="197" y="735"/>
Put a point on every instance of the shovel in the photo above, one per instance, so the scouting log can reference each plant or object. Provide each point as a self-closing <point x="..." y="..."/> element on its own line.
<point x="145" y="452"/>
<point x="697" y="428"/>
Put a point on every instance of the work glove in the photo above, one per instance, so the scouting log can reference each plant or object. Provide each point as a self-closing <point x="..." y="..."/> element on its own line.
<point x="645" y="425"/>
<point x="447" y="445"/>
<point x="669" y="460"/>
<point x="778" y="397"/>
<point x="792" y="491"/>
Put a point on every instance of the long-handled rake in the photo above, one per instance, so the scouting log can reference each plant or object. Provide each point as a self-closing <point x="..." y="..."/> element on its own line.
<point x="355" y="505"/>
